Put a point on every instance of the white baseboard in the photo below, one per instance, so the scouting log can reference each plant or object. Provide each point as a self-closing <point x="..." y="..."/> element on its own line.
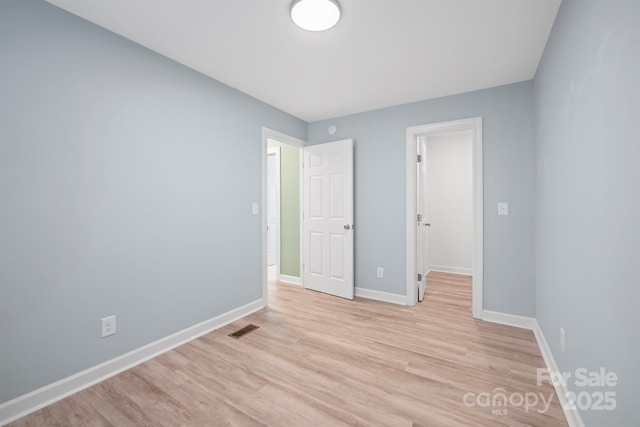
<point x="381" y="296"/>
<point x="448" y="269"/>
<point x="509" y="319"/>
<point x="37" y="399"/>
<point x="572" y="415"/>
<point x="290" y="279"/>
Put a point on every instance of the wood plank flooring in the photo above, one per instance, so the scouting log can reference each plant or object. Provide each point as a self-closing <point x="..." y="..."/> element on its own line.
<point x="318" y="360"/>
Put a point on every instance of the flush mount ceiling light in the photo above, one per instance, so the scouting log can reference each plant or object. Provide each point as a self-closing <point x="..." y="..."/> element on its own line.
<point x="315" y="15"/>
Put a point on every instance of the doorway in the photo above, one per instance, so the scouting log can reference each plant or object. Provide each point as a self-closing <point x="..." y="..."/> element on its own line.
<point x="420" y="254"/>
<point x="282" y="201"/>
<point x="445" y="205"/>
<point x="323" y="182"/>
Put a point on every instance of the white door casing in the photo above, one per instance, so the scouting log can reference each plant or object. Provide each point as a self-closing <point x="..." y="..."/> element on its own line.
<point x="328" y="235"/>
<point x="273" y="206"/>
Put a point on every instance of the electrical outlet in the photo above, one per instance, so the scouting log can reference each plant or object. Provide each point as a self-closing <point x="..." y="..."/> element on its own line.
<point x="562" y="339"/>
<point x="108" y="326"/>
<point x="380" y="272"/>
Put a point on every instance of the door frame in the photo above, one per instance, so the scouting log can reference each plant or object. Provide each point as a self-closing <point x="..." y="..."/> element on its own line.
<point x="275" y="151"/>
<point x="287" y="139"/>
<point x="475" y="126"/>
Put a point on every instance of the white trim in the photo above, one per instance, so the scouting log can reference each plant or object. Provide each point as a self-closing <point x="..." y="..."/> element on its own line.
<point x="37" y="399"/>
<point x="474" y="125"/>
<point x="381" y="296"/>
<point x="275" y="151"/>
<point x="509" y="319"/>
<point x="453" y="270"/>
<point x="572" y="415"/>
<point x="281" y="137"/>
<point x="290" y="279"/>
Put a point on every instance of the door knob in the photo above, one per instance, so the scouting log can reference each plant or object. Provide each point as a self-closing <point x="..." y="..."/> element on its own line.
<point x="347" y="227"/>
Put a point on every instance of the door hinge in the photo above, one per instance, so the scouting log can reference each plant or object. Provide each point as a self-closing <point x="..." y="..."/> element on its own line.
<point x="419" y="217"/>
<point x="419" y="158"/>
<point x="419" y="277"/>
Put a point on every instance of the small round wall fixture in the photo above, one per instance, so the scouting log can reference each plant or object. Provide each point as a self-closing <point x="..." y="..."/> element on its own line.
<point x="332" y="129"/>
<point x="315" y="15"/>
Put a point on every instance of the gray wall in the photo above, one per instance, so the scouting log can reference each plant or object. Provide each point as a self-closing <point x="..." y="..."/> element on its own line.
<point x="126" y="183"/>
<point x="588" y="209"/>
<point x="508" y="138"/>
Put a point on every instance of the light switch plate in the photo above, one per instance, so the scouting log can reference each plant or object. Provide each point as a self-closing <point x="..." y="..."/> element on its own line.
<point x="503" y="208"/>
<point x="254" y="208"/>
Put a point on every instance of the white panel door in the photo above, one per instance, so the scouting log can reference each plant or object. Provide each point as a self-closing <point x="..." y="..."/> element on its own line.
<point x="422" y="250"/>
<point x="273" y="205"/>
<point x="328" y="218"/>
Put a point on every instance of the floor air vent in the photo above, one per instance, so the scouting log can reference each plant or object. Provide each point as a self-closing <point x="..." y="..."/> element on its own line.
<point x="244" y="331"/>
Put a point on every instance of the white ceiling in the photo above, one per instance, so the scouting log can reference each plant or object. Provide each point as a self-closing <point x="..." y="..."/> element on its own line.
<point x="381" y="53"/>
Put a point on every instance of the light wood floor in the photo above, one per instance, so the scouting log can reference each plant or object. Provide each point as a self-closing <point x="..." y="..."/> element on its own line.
<point x="319" y="360"/>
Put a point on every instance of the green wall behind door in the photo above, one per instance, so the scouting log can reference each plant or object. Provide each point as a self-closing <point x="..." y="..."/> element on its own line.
<point x="289" y="208"/>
